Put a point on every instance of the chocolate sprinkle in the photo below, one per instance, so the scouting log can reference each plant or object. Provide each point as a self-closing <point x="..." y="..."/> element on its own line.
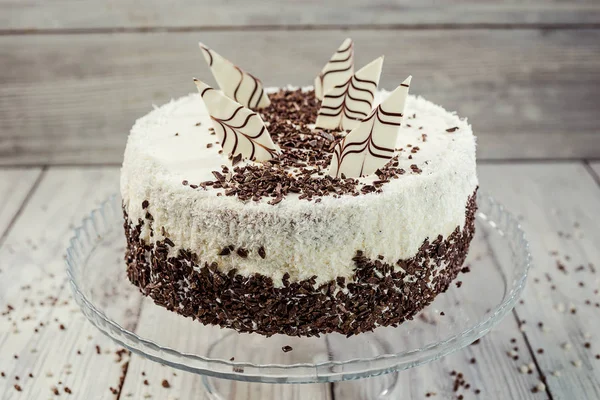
<point x="236" y="160"/>
<point x="261" y="252"/>
<point x="306" y="152"/>
<point x="299" y="308"/>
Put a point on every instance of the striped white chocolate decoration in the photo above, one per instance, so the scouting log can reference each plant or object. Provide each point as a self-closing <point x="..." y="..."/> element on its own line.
<point x="236" y="83"/>
<point x="371" y="145"/>
<point x="240" y="130"/>
<point x="337" y="71"/>
<point x="347" y="104"/>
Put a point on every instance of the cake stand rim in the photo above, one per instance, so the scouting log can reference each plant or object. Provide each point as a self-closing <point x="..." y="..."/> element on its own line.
<point x="320" y="372"/>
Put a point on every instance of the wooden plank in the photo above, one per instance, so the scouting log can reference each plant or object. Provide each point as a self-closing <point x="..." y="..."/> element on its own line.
<point x="171" y="330"/>
<point x="73" y="98"/>
<point x="146" y="377"/>
<point x="559" y="204"/>
<point x="486" y="366"/>
<point x="15" y="185"/>
<point x="494" y="374"/>
<point x="64" y="348"/>
<point x="33" y="282"/>
<point x="72" y="14"/>
<point x="542" y="194"/>
<point x="596" y="168"/>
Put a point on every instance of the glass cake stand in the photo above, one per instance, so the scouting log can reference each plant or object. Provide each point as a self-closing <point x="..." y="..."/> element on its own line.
<point x="499" y="260"/>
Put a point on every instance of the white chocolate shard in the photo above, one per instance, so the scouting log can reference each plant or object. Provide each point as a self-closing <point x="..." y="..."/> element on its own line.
<point x="371" y="145"/>
<point x="345" y="105"/>
<point x="337" y="71"/>
<point x="240" y="130"/>
<point x="236" y="83"/>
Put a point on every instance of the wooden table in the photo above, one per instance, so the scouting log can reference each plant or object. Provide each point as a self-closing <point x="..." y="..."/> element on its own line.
<point x="75" y="74"/>
<point x="559" y="203"/>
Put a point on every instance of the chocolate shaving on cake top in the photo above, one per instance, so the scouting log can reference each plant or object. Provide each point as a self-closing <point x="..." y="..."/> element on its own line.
<point x="302" y="166"/>
<point x="296" y="158"/>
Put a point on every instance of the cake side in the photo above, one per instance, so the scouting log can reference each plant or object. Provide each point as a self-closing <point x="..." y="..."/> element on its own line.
<point x="300" y="238"/>
<point x="376" y="294"/>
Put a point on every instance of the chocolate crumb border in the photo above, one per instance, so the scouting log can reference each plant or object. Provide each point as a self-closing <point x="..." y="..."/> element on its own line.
<point x="375" y="295"/>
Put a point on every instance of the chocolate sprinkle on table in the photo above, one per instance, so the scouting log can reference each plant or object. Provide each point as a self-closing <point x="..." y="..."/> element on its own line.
<point x="287" y="349"/>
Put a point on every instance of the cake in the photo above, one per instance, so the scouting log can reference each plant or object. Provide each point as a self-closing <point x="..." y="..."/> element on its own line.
<point x="292" y="215"/>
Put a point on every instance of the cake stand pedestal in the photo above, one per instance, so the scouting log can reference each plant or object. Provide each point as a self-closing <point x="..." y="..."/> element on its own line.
<point x="231" y="362"/>
<point x="375" y="388"/>
<point x="365" y="346"/>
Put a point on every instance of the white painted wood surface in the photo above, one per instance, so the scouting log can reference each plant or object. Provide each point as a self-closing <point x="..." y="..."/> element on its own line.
<point x="560" y="209"/>
<point x="15" y="185"/>
<point x="72" y="98"/>
<point x="33" y="281"/>
<point x="74" y="14"/>
<point x="596" y="168"/>
<point x="549" y="197"/>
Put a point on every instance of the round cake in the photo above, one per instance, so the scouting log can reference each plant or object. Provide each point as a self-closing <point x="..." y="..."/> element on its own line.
<point x="283" y="245"/>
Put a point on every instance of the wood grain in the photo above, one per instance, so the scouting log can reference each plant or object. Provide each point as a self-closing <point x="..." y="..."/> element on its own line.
<point x="486" y="366"/>
<point x="73" y="14"/>
<point x="489" y="374"/>
<point x="15" y="185"/>
<point x="33" y="282"/>
<point x="171" y="330"/>
<point x="73" y="98"/>
<point x="596" y="168"/>
<point x="559" y="204"/>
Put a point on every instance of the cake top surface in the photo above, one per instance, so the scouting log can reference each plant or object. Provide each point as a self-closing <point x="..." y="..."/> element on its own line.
<point x="179" y="144"/>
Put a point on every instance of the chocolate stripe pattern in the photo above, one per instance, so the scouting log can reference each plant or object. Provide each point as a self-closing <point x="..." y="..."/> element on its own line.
<point x="371" y="145"/>
<point x="347" y="104"/>
<point x="337" y="71"/>
<point x="240" y="130"/>
<point x="236" y="83"/>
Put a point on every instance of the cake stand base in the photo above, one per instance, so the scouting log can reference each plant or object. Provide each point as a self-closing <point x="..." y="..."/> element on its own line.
<point x="364" y="346"/>
<point x="375" y="388"/>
